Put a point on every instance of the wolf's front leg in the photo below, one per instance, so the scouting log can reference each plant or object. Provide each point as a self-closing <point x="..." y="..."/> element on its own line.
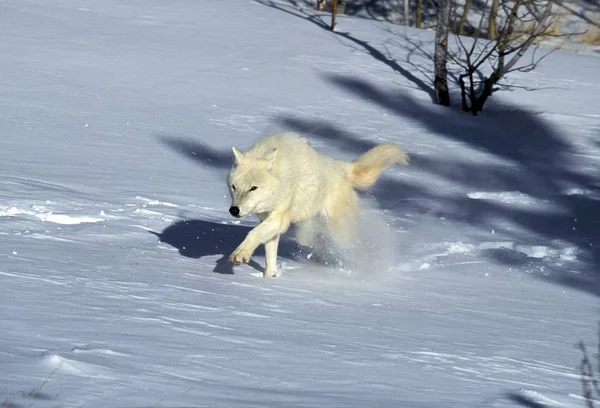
<point x="273" y="225"/>
<point x="271" y="257"/>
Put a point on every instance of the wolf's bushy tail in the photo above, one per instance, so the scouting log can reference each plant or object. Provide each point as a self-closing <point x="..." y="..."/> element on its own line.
<point x="365" y="169"/>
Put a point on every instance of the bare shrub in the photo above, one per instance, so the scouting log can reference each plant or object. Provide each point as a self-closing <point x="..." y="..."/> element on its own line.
<point x="589" y="379"/>
<point x="517" y="27"/>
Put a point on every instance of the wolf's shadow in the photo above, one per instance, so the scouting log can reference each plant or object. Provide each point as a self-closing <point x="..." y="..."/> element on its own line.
<point x="198" y="238"/>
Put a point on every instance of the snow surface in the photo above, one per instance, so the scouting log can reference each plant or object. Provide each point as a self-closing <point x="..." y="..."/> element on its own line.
<point x="117" y="123"/>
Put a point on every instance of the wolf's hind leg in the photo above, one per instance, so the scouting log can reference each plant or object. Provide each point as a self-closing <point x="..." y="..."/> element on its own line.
<point x="342" y="214"/>
<point x="305" y="232"/>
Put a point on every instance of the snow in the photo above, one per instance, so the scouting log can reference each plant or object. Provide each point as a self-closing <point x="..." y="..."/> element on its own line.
<point x="117" y="124"/>
<point x="42" y="213"/>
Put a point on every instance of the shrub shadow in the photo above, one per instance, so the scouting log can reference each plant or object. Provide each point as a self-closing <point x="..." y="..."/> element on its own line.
<point x="528" y="156"/>
<point x="198" y="152"/>
<point x="524" y="401"/>
<point x="373" y="51"/>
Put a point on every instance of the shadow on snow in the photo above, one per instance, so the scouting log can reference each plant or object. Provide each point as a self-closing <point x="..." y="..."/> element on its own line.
<point x="199" y="238"/>
<point x="530" y="157"/>
<point x="535" y="161"/>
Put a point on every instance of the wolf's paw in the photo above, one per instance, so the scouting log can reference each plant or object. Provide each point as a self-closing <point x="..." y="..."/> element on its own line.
<point x="270" y="273"/>
<point x="240" y="255"/>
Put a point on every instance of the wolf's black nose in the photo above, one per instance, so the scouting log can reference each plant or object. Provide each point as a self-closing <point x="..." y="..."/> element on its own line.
<point x="235" y="211"/>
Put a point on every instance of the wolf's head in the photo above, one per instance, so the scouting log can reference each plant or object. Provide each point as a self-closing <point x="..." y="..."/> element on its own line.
<point x="252" y="186"/>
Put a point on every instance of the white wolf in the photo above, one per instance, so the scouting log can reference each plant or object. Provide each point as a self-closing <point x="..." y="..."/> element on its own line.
<point x="284" y="181"/>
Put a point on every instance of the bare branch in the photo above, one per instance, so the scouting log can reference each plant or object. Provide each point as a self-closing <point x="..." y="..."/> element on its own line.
<point x="518" y="25"/>
<point x="539" y="29"/>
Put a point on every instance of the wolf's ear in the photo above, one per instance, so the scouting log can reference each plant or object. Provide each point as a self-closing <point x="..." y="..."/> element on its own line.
<point x="237" y="156"/>
<point x="270" y="157"/>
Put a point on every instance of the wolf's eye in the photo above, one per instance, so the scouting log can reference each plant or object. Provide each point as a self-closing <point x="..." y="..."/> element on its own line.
<point x="233" y="187"/>
<point x="253" y="188"/>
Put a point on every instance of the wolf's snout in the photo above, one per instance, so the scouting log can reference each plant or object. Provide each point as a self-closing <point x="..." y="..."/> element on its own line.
<point x="235" y="211"/>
